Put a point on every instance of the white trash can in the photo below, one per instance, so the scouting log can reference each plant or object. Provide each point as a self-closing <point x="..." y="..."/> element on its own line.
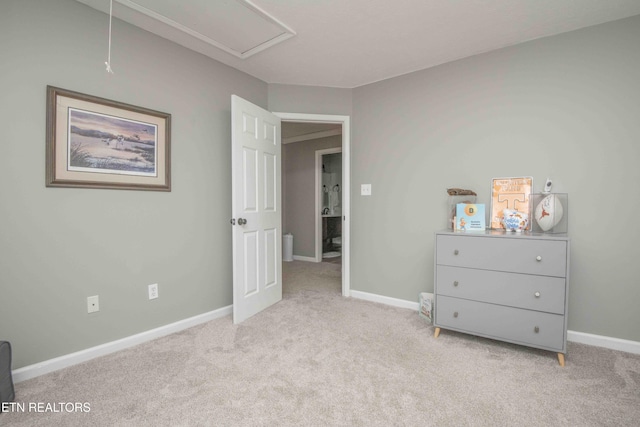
<point x="287" y="247"/>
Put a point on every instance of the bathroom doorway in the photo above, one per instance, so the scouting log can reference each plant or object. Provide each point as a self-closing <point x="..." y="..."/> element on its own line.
<point x="329" y="202"/>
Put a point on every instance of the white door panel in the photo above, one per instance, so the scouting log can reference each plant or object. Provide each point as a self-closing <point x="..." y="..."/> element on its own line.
<point x="270" y="182"/>
<point x="250" y="180"/>
<point x="256" y="200"/>
<point x="270" y="259"/>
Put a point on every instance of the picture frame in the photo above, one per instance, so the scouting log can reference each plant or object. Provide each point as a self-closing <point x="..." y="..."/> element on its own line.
<point x="510" y="193"/>
<point x="93" y="142"/>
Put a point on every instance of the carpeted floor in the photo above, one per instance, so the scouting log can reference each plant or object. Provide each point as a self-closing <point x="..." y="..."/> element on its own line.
<point x="317" y="359"/>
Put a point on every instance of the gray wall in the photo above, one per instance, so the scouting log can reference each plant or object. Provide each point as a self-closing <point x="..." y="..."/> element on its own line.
<point x="310" y="99"/>
<point x="565" y="107"/>
<point x="298" y="182"/>
<point x="58" y="246"/>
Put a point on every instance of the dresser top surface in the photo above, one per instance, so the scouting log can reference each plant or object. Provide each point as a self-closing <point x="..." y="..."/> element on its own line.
<point x="506" y="234"/>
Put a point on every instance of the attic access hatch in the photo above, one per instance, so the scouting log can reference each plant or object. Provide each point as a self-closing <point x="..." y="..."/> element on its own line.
<point x="238" y="27"/>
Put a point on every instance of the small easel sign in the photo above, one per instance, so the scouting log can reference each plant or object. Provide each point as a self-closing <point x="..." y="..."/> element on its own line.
<point x="510" y="193"/>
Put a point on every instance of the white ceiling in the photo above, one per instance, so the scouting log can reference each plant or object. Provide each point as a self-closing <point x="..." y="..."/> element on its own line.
<point x="350" y="43"/>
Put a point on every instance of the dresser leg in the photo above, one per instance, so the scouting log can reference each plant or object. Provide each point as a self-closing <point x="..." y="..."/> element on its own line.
<point x="435" y="335"/>
<point x="561" y="359"/>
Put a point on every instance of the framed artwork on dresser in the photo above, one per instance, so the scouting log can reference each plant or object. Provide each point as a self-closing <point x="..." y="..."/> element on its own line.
<point x="512" y="193"/>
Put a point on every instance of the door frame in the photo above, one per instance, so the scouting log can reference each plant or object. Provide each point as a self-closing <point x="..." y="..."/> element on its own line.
<point x="319" y="154"/>
<point x="346" y="184"/>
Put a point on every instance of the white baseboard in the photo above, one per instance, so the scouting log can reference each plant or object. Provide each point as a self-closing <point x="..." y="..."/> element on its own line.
<point x="71" y="359"/>
<point x="573" y="336"/>
<point x="385" y="300"/>
<point x="603" y="341"/>
<point x="304" y="258"/>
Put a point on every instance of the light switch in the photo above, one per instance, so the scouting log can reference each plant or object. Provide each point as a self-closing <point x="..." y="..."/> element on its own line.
<point x="365" y="189"/>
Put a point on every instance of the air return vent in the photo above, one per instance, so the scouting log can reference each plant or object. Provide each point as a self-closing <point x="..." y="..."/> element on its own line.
<point x="238" y="27"/>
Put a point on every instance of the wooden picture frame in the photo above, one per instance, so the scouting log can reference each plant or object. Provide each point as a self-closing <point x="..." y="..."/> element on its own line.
<point x="94" y="142"/>
<point x="510" y="193"/>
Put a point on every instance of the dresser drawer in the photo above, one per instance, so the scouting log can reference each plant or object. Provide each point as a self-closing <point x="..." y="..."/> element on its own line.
<point x="541" y="293"/>
<point x="518" y="255"/>
<point x="500" y="322"/>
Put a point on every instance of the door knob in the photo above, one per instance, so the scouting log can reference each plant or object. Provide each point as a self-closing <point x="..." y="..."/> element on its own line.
<point x="242" y="221"/>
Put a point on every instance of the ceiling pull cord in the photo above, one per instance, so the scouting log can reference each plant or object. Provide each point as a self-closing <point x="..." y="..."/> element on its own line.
<point x="108" y="63"/>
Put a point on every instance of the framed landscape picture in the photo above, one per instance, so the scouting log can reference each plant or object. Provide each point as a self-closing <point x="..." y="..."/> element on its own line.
<point x="98" y="143"/>
<point x="510" y="193"/>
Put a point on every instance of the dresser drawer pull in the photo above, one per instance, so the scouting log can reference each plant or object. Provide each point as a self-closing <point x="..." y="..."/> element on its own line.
<point x="537" y="294"/>
<point x="456" y="252"/>
<point x="538" y="258"/>
<point x="455" y="314"/>
<point x="455" y="283"/>
<point x="536" y="329"/>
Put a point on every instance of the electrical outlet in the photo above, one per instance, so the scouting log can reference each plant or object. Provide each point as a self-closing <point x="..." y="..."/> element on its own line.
<point x="365" y="189"/>
<point x="93" y="304"/>
<point x="153" y="291"/>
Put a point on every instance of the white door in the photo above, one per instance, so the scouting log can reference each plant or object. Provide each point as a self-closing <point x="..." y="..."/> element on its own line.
<point x="256" y="215"/>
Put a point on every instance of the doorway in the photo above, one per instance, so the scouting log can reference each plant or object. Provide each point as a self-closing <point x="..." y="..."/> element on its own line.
<point x="344" y="122"/>
<point x="328" y="186"/>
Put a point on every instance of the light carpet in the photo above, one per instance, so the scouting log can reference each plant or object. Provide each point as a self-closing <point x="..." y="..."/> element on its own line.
<point x="317" y="359"/>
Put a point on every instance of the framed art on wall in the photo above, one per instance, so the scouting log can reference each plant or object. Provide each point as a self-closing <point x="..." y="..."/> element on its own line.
<point x="99" y="143"/>
<point x="510" y="193"/>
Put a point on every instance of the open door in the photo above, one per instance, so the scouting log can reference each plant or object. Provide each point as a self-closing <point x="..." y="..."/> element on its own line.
<point x="256" y="211"/>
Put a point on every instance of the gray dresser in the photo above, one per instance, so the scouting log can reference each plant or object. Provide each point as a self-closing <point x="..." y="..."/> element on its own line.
<point x="506" y="286"/>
